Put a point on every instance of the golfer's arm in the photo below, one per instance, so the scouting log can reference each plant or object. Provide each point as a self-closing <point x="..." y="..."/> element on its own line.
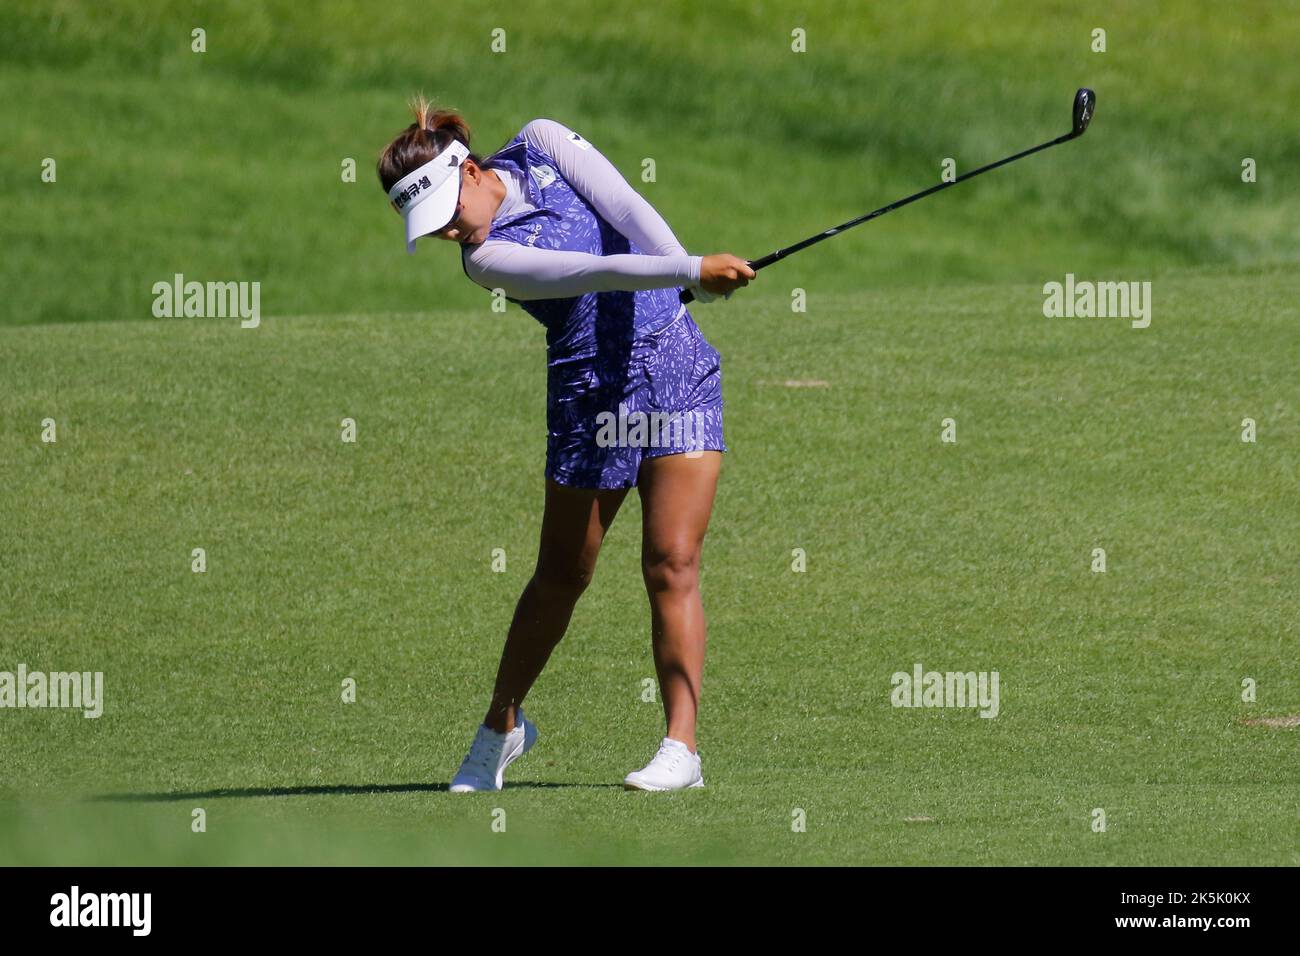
<point x="528" y="273"/>
<point x="602" y="185"/>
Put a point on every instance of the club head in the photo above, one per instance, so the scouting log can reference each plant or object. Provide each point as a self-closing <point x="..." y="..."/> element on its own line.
<point x="1085" y="102"/>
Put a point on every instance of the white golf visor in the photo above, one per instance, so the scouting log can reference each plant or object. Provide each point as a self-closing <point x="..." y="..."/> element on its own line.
<point x="427" y="197"/>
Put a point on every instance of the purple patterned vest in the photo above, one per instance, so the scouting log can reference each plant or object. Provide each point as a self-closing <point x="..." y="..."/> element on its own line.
<point x="595" y="322"/>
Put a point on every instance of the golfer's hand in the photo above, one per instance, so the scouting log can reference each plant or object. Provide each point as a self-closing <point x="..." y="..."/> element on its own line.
<point x="724" y="273"/>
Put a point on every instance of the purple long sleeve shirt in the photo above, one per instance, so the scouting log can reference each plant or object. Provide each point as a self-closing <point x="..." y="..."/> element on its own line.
<point x="526" y="272"/>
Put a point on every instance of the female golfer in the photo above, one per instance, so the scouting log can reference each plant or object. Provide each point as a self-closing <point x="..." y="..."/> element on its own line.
<point x="634" y="395"/>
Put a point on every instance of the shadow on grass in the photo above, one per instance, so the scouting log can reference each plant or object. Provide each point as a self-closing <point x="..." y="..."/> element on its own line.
<point x="335" y="790"/>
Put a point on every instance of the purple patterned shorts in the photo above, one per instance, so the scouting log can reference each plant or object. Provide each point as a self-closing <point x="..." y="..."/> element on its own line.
<point x="659" y="394"/>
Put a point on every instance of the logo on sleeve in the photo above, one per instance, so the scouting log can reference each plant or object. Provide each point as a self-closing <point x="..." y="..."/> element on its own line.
<point x="578" y="141"/>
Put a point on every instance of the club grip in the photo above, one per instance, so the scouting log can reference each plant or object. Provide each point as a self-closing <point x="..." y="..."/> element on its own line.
<point x="688" y="296"/>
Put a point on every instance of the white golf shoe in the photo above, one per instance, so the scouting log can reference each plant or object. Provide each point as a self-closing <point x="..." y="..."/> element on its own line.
<point x="485" y="765"/>
<point x="674" y="767"/>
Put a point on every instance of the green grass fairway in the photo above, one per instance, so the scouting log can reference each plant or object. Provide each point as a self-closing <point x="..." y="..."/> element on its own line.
<point x="1120" y="691"/>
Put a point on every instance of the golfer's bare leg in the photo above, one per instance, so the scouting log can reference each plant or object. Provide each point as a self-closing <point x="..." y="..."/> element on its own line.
<point x="676" y="501"/>
<point x="573" y="527"/>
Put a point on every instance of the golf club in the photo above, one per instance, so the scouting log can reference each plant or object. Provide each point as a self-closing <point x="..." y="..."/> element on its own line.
<point x="1085" y="103"/>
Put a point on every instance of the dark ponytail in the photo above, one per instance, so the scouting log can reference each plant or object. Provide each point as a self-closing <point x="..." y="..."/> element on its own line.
<point x="431" y="133"/>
